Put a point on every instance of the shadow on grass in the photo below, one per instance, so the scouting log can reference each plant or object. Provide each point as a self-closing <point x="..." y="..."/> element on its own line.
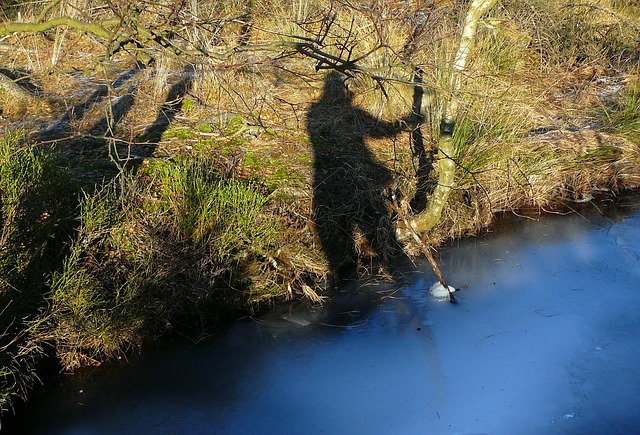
<point x="167" y="113"/>
<point x="100" y="139"/>
<point x="40" y="226"/>
<point x="350" y="210"/>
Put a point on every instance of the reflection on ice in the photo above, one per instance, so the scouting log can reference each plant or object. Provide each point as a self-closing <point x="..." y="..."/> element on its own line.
<point x="545" y="340"/>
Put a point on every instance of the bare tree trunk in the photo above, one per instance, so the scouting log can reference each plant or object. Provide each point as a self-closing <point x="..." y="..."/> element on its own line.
<point x="427" y="219"/>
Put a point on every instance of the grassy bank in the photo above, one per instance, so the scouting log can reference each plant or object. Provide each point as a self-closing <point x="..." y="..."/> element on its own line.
<point x="138" y="200"/>
<point x="173" y="246"/>
<point x="36" y="220"/>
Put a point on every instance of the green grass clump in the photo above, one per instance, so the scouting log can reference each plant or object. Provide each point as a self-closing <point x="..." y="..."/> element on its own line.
<point x="35" y="220"/>
<point x="204" y="128"/>
<point x="170" y="247"/>
<point x="488" y="119"/>
<point x="179" y="133"/>
<point x="226" y="214"/>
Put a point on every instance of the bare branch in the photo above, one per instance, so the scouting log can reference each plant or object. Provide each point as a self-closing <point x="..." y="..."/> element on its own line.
<point x="98" y="29"/>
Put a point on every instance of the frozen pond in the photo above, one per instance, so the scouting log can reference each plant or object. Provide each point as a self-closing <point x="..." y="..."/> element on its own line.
<point x="545" y="340"/>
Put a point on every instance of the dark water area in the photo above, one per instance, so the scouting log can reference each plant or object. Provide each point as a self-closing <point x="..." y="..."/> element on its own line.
<point x="544" y="340"/>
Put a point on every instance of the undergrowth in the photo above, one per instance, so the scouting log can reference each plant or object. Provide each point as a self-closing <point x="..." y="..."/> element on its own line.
<point x="174" y="246"/>
<point x="36" y="217"/>
<point x="168" y="248"/>
<point x="623" y="117"/>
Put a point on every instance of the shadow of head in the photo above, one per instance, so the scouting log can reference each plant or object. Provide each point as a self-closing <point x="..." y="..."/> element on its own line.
<point x="336" y="90"/>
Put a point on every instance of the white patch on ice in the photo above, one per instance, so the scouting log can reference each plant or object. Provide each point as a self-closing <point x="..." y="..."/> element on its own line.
<point x="568" y="416"/>
<point x="438" y="290"/>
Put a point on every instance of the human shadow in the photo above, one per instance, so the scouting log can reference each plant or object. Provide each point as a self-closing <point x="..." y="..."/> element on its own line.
<point x="350" y="210"/>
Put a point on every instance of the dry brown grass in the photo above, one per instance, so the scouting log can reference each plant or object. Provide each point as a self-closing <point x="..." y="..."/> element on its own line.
<point x="532" y="72"/>
<point x="555" y="168"/>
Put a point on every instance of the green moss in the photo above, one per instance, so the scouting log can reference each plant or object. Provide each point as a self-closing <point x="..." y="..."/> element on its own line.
<point x="188" y="104"/>
<point x="205" y="147"/>
<point x="270" y="133"/>
<point x="179" y="133"/>
<point x="230" y="145"/>
<point x="273" y="172"/>
<point x="284" y="177"/>
<point x="234" y="126"/>
<point x="204" y="128"/>
<point x="252" y="161"/>
<point x="305" y="159"/>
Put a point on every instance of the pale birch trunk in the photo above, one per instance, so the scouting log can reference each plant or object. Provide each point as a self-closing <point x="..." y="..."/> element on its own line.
<point x="426" y="220"/>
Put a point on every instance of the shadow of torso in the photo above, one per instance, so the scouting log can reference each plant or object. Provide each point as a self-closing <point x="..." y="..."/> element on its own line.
<point x="349" y="187"/>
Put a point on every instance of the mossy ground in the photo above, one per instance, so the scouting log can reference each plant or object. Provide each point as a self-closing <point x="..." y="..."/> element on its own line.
<point x="197" y="197"/>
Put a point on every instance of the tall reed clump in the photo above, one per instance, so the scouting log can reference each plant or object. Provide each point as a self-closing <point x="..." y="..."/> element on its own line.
<point x="172" y="247"/>
<point x="538" y="173"/>
<point x="36" y="210"/>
